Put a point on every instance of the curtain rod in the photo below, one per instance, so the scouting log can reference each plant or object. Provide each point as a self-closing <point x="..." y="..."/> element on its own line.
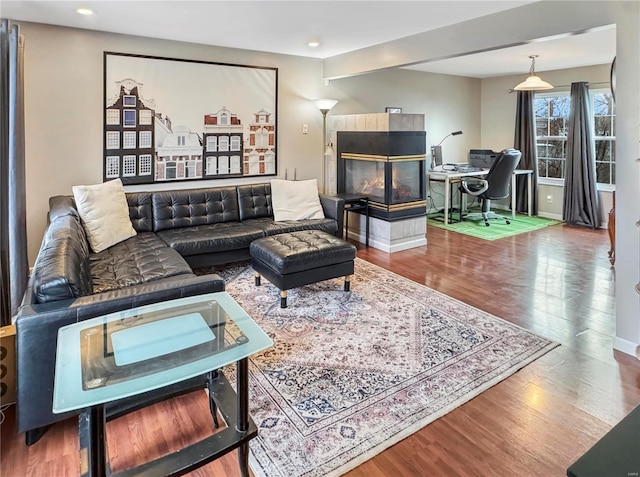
<point x="568" y="85"/>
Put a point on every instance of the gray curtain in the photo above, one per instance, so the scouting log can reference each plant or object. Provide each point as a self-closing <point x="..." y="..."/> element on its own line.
<point x="525" y="141"/>
<point x="581" y="205"/>
<point x="13" y="222"/>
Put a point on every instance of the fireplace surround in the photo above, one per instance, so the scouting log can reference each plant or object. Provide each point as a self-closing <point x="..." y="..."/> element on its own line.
<point x="387" y="166"/>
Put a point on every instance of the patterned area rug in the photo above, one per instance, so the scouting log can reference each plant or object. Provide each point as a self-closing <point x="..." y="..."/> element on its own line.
<point x="352" y="373"/>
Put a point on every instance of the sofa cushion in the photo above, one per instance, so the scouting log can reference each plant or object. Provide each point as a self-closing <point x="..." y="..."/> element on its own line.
<point x="104" y="212"/>
<point x="254" y="201"/>
<point x="270" y="227"/>
<point x="187" y="208"/>
<point x="295" y="200"/>
<point x="201" y="239"/>
<point x="140" y="211"/>
<point x="61" y="270"/>
<point x="139" y="259"/>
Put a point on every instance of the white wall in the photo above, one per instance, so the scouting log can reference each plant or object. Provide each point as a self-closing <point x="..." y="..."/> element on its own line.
<point x="498" y="123"/>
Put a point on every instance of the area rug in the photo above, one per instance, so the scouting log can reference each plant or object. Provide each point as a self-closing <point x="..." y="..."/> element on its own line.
<point x="352" y="373"/>
<point x="498" y="229"/>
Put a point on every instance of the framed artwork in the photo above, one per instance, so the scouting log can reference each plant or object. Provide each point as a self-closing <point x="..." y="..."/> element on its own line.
<point x="168" y="119"/>
<point x="391" y="109"/>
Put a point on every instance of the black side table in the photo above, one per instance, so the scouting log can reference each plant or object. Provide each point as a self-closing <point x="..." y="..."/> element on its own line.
<point x="616" y="454"/>
<point x="355" y="203"/>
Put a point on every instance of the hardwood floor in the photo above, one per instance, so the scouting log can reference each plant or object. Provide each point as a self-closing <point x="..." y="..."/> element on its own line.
<point x="556" y="282"/>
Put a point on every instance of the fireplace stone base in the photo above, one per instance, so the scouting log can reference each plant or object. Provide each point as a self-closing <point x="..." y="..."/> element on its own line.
<point x="389" y="236"/>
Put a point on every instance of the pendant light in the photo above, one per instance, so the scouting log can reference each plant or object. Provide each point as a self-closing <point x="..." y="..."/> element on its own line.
<point x="533" y="81"/>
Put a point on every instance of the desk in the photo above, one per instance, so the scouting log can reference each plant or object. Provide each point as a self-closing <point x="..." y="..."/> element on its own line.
<point x="448" y="176"/>
<point x="123" y="358"/>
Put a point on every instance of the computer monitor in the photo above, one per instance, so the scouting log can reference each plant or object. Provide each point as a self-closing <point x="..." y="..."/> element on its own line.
<point x="483" y="158"/>
<point x="436" y="156"/>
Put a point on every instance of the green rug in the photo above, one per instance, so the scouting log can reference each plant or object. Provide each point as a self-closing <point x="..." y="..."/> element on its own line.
<point x="498" y="229"/>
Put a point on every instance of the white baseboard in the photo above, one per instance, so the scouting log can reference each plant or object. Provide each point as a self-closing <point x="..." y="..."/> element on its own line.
<point x="626" y="347"/>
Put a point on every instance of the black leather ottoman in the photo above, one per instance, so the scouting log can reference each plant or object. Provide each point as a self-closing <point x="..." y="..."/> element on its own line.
<point x="295" y="259"/>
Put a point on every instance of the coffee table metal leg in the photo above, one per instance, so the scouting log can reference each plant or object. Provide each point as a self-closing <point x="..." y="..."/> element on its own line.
<point x="243" y="413"/>
<point x="93" y="459"/>
<point x="211" y="376"/>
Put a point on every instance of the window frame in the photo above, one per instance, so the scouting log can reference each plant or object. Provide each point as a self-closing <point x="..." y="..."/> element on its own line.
<point x="553" y="181"/>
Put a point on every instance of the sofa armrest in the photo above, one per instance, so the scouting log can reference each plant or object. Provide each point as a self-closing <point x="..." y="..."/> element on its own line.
<point x="37" y="336"/>
<point x="333" y="208"/>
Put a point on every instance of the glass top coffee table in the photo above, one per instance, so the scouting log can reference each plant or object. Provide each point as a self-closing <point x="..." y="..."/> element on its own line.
<point x="117" y="363"/>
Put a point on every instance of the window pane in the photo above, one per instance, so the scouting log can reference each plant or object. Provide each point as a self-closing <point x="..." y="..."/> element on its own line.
<point x="556" y="149"/>
<point x="541" y="106"/>
<point x="602" y="125"/>
<point x="557" y="127"/>
<point x="603" y="172"/>
<point x="542" y="128"/>
<point x="555" y="168"/>
<point x="542" y="167"/>
<point x="602" y="150"/>
<point x="542" y="150"/>
<point x="559" y="107"/>
<point x="602" y="104"/>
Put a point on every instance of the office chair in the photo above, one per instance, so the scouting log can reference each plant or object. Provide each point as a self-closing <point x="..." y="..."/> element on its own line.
<point x="495" y="185"/>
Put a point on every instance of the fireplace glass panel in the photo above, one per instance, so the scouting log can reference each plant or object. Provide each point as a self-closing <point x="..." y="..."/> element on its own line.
<point x="405" y="182"/>
<point x="365" y="177"/>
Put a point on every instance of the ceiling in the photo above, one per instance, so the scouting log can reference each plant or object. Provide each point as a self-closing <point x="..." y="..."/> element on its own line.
<point x="340" y="26"/>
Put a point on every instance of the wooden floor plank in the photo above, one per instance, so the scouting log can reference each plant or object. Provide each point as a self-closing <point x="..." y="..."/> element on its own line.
<point x="556" y="282"/>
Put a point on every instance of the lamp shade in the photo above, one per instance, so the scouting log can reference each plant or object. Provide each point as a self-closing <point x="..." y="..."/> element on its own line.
<point x="325" y="105"/>
<point x="533" y="83"/>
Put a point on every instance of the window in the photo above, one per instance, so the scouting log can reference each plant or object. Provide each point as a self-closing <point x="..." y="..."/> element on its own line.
<point x="129" y="100"/>
<point x="129" y="140"/>
<point x="145" y="164"/>
<point x="223" y="143"/>
<point x="113" y="117"/>
<point x="145" y="139"/>
<point x="129" y="118"/>
<point x="113" y="167"/>
<point x="145" y="117"/>
<point x="170" y="170"/>
<point x="262" y="137"/>
<point x="235" y="143"/>
<point x="191" y="169"/>
<point x="223" y="165"/>
<point x="552" y="116"/>
<point x="212" y="165"/>
<point x="128" y="166"/>
<point x="181" y="140"/>
<point x="224" y="119"/>
<point x="113" y="140"/>
<point x="212" y="143"/>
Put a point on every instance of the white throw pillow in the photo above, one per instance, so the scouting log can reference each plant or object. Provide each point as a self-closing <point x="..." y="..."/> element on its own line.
<point x="295" y="200"/>
<point x="104" y="212"/>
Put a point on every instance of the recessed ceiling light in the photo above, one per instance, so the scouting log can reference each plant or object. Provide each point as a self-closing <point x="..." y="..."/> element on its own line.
<point x="84" y="11"/>
<point x="314" y="44"/>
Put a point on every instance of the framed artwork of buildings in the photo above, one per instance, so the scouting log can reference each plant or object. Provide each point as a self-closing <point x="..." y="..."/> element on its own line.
<point x="170" y="119"/>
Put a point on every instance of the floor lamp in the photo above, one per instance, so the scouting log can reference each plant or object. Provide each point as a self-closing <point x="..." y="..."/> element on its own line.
<point x="324" y="105"/>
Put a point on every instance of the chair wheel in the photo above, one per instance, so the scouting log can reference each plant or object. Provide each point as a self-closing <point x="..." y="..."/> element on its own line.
<point x="487" y="224"/>
<point x="508" y="222"/>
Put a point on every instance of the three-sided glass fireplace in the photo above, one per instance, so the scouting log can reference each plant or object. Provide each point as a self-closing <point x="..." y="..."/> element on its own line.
<point x="387" y="167"/>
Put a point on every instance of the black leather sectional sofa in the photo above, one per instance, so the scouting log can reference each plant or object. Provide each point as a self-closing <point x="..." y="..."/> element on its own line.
<point x="176" y="230"/>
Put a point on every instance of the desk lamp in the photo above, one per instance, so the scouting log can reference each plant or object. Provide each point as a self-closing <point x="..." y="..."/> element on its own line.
<point x="436" y="151"/>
